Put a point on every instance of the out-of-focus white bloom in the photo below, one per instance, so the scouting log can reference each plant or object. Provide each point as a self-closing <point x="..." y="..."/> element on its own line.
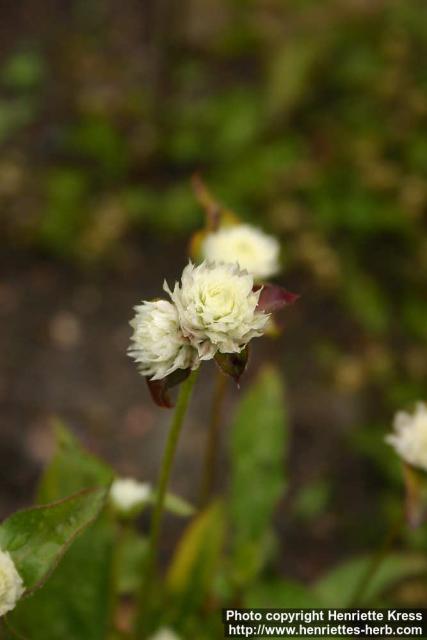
<point x="11" y="585"/>
<point x="128" y="493"/>
<point x="250" y="247"/>
<point x="410" y="436"/>
<point x="217" y="308"/>
<point x="165" y="634"/>
<point x="158" y="345"/>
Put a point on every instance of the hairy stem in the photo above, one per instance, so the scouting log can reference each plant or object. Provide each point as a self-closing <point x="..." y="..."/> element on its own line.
<point x="212" y="443"/>
<point x="165" y="471"/>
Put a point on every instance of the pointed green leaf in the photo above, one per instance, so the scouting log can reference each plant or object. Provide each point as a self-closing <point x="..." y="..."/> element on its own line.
<point x="178" y="506"/>
<point x="258" y="440"/>
<point x="194" y="564"/>
<point x="71" y="469"/>
<point x="37" y="538"/>
<point x="74" y="603"/>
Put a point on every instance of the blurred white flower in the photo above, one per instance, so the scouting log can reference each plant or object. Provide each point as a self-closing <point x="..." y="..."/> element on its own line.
<point x="410" y="436"/>
<point x="11" y="585"/>
<point x="158" y="345"/>
<point x="128" y="493"/>
<point x="165" y="634"/>
<point x="250" y="247"/>
<point x="217" y="308"/>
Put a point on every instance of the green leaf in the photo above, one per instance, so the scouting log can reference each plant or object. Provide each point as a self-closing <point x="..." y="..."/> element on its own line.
<point x="258" y="441"/>
<point x="338" y="587"/>
<point x="194" y="564"/>
<point x="23" y="71"/>
<point x="178" y="506"/>
<point x="75" y="602"/>
<point x="281" y="593"/>
<point x="37" y="538"/>
<point x="290" y="74"/>
<point x="71" y="469"/>
<point x="130" y="558"/>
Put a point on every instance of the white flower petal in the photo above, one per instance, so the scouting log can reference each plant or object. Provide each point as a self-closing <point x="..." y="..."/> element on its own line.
<point x="128" y="493"/>
<point x="11" y="584"/>
<point x="410" y="436"/>
<point x="217" y="308"/>
<point x="250" y="247"/>
<point x="158" y="344"/>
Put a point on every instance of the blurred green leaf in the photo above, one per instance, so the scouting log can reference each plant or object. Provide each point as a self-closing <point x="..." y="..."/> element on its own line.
<point x="312" y="500"/>
<point x="366" y="300"/>
<point x="280" y="594"/>
<point x="258" y="443"/>
<point x="98" y="139"/>
<point x="337" y="588"/>
<point x="23" y="70"/>
<point x="196" y="558"/>
<point x="63" y="218"/>
<point x="130" y="558"/>
<point x="178" y="506"/>
<point x="75" y="601"/>
<point x="14" y="115"/>
<point x="289" y="74"/>
<point x="71" y="469"/>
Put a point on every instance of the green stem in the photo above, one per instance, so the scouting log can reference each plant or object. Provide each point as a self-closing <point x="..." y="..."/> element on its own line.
<point x="376" y="561"/>
<point x="165" y="471"/>
<point x="212" y="443"/>
<point x="121" y="530"/>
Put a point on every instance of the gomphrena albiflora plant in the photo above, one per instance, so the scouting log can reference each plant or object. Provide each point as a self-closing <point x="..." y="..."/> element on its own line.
<point x="87" y="515"/>
<point x="215" y="310"/>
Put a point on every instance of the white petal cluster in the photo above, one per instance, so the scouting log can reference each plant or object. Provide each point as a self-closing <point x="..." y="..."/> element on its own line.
<point x="11" y="585"/>
<point x="250" y="247"/>
<point x="165" y="634"/>
<point x="410" y="436"/>
<point x="217" y="308"/>
<point x="128" y="493"/>
<point x="158" y="344"/>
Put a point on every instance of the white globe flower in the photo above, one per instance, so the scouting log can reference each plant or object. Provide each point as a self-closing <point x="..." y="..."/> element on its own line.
<point x="158" y="344"/>
<point x="217" y="308"/>
<point x="128" y="493"/>
<point x="11" y="585"/>
<point x="410" y="436"/>
<point x="165" y="634"/>
<point x="250" y="247"/>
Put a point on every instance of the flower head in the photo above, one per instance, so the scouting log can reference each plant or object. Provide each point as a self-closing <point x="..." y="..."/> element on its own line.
<point x="165" y="634"/>
<point x="158" y="344"/>
<point x="217" y="308"/>
<point x="410" y="436"/>
<point x="11" y="585"/>
<point x="128" y="493"/>
<point x="250" y="247"/>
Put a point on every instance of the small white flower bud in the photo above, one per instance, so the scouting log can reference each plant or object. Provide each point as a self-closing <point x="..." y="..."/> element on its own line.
<point x="217" y="308"/>
<point x="165" y="634"/>
<point x="250" y="247"/>
<point x="11" y="584"/>
<point x="127" y="494"/>
<point x="410" y="436"/>
<point x="158" y="345"/>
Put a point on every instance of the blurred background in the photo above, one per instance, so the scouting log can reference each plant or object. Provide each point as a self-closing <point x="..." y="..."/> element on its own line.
<point x="308" y="119"/>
